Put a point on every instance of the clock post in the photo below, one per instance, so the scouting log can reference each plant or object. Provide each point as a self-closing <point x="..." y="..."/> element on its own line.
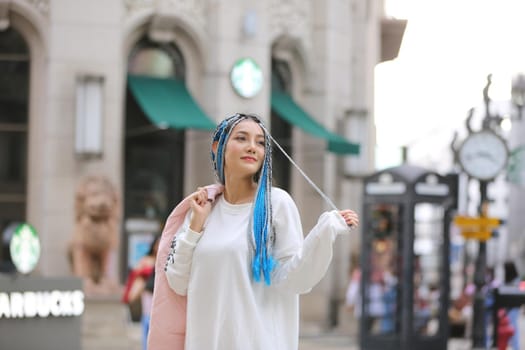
<point x="483" y="155"/>
<point x="478" y="325"/>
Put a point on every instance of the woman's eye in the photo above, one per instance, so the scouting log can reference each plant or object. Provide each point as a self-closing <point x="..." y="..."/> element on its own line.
<point x="240" y="138"/>
<point x="261" y="143"/>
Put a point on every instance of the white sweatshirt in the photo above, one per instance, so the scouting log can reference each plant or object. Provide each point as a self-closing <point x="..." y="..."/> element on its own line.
<point x="227" y="309"/>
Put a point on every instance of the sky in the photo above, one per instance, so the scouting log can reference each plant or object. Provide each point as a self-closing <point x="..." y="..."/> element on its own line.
<point x="449" y="48"/>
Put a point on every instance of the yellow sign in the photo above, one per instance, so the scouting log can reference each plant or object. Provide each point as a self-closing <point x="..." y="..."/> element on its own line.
<point x="479" y="228"/>
<point x="479" y="235"/>
<point x="467" y="221"/>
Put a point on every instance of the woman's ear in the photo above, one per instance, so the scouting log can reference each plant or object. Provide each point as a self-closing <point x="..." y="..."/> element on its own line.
<point x="214" y="146"/>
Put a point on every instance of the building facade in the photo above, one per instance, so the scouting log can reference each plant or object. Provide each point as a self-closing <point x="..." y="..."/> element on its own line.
<point x="516" y="192"/>
<point x="129" y="89"/>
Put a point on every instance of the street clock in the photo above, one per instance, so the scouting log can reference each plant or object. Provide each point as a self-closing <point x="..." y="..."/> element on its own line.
<point x="483" y="155"/>
<point x="246" y="77"/>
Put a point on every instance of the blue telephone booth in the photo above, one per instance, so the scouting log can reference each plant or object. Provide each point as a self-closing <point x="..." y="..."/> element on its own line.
<point x="404" y="259"/>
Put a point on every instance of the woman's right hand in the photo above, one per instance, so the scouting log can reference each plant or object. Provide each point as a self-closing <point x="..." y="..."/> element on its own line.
<point x="200" y="207"/>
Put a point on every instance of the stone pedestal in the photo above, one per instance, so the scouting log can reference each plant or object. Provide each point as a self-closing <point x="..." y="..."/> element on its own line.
<point x="107" y="325"/>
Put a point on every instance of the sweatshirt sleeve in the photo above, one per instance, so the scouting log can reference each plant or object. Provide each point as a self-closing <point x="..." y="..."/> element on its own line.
<point x="302" y="263"/>
<point x="178" y="263"/>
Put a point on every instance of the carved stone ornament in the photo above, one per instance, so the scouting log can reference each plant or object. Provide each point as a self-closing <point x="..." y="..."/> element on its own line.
<point x="133" y="5"/>
<point x="291" y="18"/>
<point x="163" y="25"/>
<point x="193" y="10"/>
<point x="41" y="5"/>
<point x="168" y="14"/>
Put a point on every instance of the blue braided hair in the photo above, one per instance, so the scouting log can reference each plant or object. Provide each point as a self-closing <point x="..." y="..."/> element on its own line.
<point x="263" y="262"/>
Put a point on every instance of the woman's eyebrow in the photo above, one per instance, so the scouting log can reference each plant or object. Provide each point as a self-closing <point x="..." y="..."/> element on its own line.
<point x="246" y="133"/>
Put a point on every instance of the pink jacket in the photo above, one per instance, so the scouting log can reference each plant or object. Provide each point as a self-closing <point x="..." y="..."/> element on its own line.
<point x="167" y="328"/>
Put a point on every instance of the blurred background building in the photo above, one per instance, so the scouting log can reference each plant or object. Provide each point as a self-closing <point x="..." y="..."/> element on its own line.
<point x="130" y="89"/>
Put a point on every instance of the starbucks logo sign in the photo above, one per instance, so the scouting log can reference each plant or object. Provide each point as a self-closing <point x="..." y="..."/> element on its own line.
<point x="246" y="77"/>
<point x="24" y="248"/>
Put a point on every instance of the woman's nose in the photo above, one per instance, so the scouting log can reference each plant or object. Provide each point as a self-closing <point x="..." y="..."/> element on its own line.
<point x="251" y="146"/>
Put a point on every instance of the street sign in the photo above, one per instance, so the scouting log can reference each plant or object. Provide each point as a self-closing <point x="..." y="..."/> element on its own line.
<point x="479" y="235"/>
<point x="467" y="221"/>
<point x="479" y="228"/>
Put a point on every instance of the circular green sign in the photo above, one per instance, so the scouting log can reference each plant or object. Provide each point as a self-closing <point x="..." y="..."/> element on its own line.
<point x="246" y="77"/>
<point x="25" y="248"/>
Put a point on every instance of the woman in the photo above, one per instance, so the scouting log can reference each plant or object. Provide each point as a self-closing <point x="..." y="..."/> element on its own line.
<point x="512" y="279"/>
<point x="139" y="286"/>
<point x="241" y="259"/>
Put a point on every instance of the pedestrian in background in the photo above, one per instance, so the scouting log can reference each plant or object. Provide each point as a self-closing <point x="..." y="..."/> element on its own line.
<point x="512" y="279"/>
<point x="140" y="285"/>
<point x="240" y="256"/>
<point x="352" y="295"/>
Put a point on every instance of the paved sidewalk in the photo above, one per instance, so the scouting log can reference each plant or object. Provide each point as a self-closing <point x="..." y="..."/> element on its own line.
<point x="335" y="342"/>
<point x="327" y="342"/>
<point x="314" y="338"/>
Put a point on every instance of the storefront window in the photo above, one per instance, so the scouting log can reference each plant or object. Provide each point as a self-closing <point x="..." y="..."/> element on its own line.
<point x="14" y="81"/>
<point x="154" y="157"/>
<point x="382" y="294"/>
<point x="281" y="130"/>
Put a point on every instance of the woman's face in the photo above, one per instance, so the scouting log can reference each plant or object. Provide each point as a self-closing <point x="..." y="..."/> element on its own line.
<point x="245" y="149"/>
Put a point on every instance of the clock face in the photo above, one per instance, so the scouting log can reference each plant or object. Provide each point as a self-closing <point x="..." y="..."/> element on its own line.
<point x="246" y="77"/>
<point x="483" y="155"/>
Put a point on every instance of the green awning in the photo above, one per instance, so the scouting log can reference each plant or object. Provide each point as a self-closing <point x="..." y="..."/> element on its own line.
<point x="290" y="111"/>
<point x="168" y="104"/>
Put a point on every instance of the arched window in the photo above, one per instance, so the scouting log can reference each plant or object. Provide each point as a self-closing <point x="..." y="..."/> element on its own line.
<point x="14" y="107"/>
<point x="153" y="156"/>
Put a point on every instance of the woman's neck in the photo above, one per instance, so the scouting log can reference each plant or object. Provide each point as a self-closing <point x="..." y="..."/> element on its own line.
<point x="238" y="192"/>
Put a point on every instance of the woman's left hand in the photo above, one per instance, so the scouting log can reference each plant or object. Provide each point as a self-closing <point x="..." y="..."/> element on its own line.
<point x="201" y="207"/>
<point x="351" y="218"/>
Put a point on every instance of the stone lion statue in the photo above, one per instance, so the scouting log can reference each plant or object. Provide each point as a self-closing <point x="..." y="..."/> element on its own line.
<point x="96" y="229"/>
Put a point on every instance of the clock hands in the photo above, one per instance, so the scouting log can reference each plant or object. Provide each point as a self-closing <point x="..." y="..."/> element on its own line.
<point x="481" y="154"/>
